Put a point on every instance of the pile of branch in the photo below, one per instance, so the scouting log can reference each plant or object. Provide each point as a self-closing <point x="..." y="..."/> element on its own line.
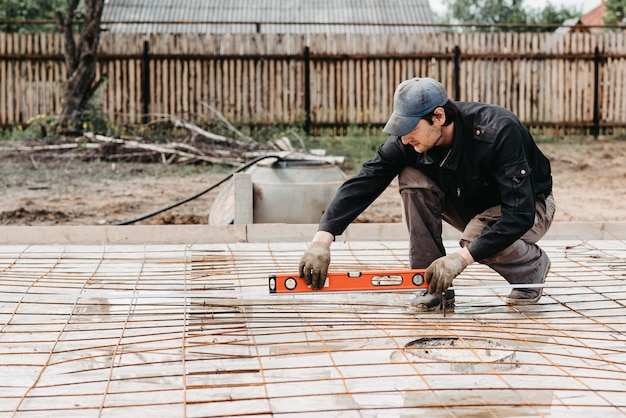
<point x="198" y="149"/>
<point x="199" y="146"/>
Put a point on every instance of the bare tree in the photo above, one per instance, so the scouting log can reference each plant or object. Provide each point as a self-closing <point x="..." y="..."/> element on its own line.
<point x="80" y="60"/>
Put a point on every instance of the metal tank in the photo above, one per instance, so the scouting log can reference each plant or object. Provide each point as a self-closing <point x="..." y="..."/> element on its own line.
<point x="288" y="191"/>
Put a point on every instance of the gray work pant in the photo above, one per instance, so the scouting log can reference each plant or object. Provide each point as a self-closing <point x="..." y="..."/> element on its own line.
<point x="426" y="205"/>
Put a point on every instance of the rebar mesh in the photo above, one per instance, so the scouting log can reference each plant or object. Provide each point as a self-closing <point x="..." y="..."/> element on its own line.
<point x="114" y="330"/>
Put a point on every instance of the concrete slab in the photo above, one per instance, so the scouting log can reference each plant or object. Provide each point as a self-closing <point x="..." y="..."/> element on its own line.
<point x="189" y="329"/>
<point x="260" y="233"/>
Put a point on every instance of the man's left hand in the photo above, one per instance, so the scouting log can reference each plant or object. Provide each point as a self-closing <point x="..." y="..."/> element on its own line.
<point x="442" y="271"/>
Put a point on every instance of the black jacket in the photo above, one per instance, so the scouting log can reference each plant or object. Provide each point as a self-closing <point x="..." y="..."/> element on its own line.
<point x="493" y="161"/>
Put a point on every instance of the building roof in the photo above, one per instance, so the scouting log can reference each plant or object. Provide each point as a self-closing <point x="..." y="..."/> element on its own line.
<point x="590" y="22"/>
<point x="572" y="25"/>
<point x="268" y="16"/>
<point x="595" y="17"/>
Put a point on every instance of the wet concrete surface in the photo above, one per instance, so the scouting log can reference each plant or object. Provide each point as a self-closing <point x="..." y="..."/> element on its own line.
<point x="191" y="330"/>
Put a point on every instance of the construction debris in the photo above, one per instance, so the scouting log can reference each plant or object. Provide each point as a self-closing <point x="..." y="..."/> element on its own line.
<point x="199" y="146"/>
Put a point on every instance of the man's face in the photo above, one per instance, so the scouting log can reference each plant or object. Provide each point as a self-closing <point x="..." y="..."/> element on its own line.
<point x="424" y="136"/>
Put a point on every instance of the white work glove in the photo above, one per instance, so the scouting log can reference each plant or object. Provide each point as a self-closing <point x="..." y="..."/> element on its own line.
<point x="442" y="271"/>
<point x="314" y="265"/>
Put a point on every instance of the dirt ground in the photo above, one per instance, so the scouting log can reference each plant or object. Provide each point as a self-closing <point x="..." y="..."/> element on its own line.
<point x="38" y="189"/>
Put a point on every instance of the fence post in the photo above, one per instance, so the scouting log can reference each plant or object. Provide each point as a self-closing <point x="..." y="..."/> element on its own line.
<point x="457" y="73"/>
<point x="307" y="90"/>
<point x="596" y="92"/>
<point x="145" y="83"/>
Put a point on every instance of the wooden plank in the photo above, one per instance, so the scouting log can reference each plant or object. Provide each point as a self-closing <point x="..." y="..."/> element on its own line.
<point x="166" y="95"/>
<point x="371" y="83"/>
<point x="40" y="76"/>
<point x="483" y="79"/>
<point x="60" y="74"/>
<point x="156" y="79"/>
<point x="12" y="102"/>
<point x="19" y="81"/>
<point x="48" y="79"/>
<point x="464" y="67"/>
<point x="4" y="117"/>
<point x="286" y="86"/>
<point x="320" y="96"/>
<point x="582" y="78"/>
<point x="193" y="87"/>
<point x="621" y="73"/>
<point x="559" y="75"/>
<point x="30" y="82"/>
<point x="521" y="108"/>
<point x="212" y="81"/>
<point x="133" y="79"/>
<point x="533" y="78"/>
<point x="46" y="105"/>
<point x="184" y="75"/>
<point x="271" y="87"/>
<point x="135" y="110"/>
<point x="565" y="86"/>
<point x="292" y="99"/>
<point x="528" y="77"/>
<point x="543" y="78"/>
<point x="330" y="91"/>
<point x="620" y="90"/>
<point x="262" y="96"/>
<point x="119" y="88"/>
<point x="177" y="86"/>
<point x="383" y="81"/>
<point x="358" y="91"/>
<point x="350" y="82"/>
<point x="504" y="81"/>
<point x="280" y="92"/>
<point x="244" y="96"/>
<point x="203" y="79"/>
<point x="256" y="78"/>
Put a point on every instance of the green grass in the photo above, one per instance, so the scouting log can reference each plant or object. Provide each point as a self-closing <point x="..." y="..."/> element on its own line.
<point x="357" y="148"/>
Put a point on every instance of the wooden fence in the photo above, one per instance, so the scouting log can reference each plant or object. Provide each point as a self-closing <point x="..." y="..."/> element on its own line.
<point x="563" y="83"/>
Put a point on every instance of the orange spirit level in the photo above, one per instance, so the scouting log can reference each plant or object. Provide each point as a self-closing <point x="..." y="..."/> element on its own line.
<point x="385" y="280"/>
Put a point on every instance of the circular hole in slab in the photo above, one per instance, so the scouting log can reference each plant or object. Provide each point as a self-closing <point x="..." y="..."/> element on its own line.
<point x="462" y="354"/>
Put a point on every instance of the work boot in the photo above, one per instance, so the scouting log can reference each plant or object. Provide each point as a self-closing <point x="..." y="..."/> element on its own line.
<point x="527" y="296"/>
<point x="426" y="302"/>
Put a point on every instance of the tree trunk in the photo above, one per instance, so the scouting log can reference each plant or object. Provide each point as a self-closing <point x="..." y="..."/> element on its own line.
<point x="80" y="60"/>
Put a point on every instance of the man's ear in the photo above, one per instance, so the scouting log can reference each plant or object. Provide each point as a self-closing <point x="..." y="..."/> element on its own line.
<point x="439" y="116"/>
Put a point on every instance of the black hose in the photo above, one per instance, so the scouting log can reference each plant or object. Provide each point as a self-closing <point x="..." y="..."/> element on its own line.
<point x="195" y="196"/>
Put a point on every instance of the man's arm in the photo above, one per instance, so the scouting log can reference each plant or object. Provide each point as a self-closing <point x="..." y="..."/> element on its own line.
<point x="352" y="198"/>
<point x="358" y="192"/>
<point x="323" y="237"/>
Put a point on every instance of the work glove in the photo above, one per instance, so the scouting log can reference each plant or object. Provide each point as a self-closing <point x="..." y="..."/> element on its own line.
<point x="442" y="271"/>
<point x="314" y="265"/>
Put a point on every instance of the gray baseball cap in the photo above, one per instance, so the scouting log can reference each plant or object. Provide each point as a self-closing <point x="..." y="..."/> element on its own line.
<point x="413" y="99"/>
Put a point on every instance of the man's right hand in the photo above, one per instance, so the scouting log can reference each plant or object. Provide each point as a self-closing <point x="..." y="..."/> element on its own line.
<point x="314" y="265"/>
